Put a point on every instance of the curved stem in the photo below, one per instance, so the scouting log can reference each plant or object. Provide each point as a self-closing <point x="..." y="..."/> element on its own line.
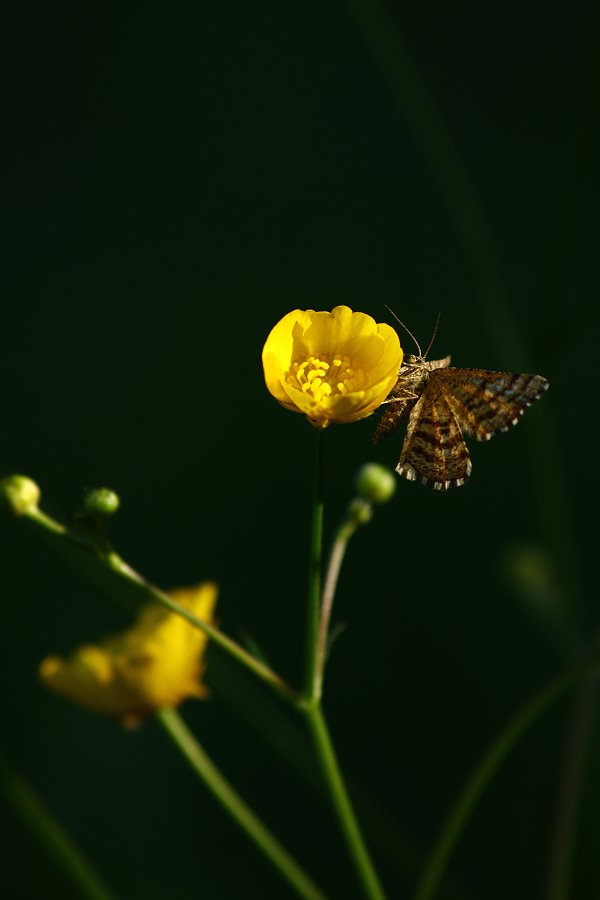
<point x="334" y="566"/>
<point x="262" y="671"/>
<point x="51" y="835"/>
<point x="341" y="803"/>
<point x="485" y="771"/>
<point x="310" y="703"/>
<point x="111" y="560"/>
<point x="311" y="688"/>
<point x="237" y="808"/>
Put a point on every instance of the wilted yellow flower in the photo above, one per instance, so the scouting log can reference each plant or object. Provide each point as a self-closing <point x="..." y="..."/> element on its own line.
<point x="334" y="366"/>
<point x="156" y="663"/>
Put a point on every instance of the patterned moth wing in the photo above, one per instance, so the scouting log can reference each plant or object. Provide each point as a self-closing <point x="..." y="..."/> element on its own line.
<point x="442" y="403"/>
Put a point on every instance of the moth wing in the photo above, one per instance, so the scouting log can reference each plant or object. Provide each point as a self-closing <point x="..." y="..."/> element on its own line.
<point x="485" y="402"/>
<point x="396" y="410"/>
<point x="434" y="451"/>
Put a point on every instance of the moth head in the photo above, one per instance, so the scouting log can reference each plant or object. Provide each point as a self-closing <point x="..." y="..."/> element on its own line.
<point x="411" y="359"/>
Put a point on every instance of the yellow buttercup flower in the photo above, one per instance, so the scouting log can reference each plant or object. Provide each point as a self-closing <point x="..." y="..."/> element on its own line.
<point x="156" y="663"/>
<point x="334" y="366"/>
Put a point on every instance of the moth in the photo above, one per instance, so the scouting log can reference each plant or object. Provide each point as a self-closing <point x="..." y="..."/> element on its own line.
<point x="442" y="403"/>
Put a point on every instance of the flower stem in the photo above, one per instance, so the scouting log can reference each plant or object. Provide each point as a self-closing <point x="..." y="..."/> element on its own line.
<point x="231" y="801"/>
<point x="336" y="557"/>
<point x="260" y="669"/>
<point x="51" y="835"/>
<point x="314" y="575"/>
<point x="111" y="560"/>
<point x="310" y="703"/>
<point x="341" y="803"/>
<point x="485" y="771"/>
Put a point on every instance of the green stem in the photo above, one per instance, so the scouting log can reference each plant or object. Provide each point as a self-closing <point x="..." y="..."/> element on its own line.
<point x="341" y="803"/>
<point x="485" y="771"/>
<point x="51" y="835"/>
<point x="310" y="703"/>
<point x="336" y="558"/>
<point x="234" y="649"/>
<point x="111" y="560"/>
<point x="231" y="801"/>
<point x="314" y="575"/>
<point x="569" y="792"/>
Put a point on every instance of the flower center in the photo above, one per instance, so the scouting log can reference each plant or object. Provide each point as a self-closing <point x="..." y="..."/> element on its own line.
<point x="326" y="375"/>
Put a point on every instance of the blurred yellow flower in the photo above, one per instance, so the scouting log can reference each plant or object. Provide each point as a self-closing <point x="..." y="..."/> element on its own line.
<point x="334" y="366"/>
<point x="156" y="663"/>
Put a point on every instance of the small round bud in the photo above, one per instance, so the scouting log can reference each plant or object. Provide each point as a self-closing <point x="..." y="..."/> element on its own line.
<point x="375" y="483"/>
<point x="19" y="494"/>
<point x="360" y="511"/>
<point x="101" y="502"/>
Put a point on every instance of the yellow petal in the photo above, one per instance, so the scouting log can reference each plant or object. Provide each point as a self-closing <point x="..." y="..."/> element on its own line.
<point x="334" y="366"/>
<point x="284" y="341"/>
<point x="156" y="663"/>
<point x="88" y="679"/>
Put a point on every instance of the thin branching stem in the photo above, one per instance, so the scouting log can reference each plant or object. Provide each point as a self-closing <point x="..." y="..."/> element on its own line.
<point x="310" y="705"/>
<point x="314" y="575"/>
<point x="111" y="560"/>
<point x="341" y="804"/>
<point x="336" y="558"/>
<point x="236" y="807"/>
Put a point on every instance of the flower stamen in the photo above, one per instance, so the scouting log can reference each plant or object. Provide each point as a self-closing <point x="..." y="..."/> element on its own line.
<point x="320" y="378"/>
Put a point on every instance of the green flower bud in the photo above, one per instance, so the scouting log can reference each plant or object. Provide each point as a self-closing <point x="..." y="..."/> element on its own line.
<point x="360" y="511"/>
<point x="19" y="494"/>
<point x="101" y="502"/>
<point x="375" y="483"/>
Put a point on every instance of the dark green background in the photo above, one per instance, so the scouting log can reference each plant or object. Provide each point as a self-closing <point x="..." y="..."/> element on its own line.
<point x="177" y="178"/>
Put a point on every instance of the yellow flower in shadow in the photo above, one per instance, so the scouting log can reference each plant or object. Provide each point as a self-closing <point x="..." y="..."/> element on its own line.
<point x="156" y="663"/>
<point x="336" y="366"/>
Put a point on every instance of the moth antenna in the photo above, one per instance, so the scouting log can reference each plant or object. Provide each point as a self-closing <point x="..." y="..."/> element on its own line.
<point x="408" y="331"/>
<point x="437" y="322"/>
